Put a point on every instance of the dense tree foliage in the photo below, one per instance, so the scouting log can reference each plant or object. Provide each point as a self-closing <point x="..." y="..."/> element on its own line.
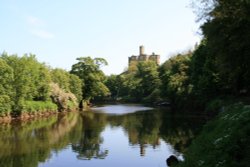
<point x="30" y="80"/>
<point x="88" y="70"/>
<point x="140" y="83"/>
<point x="28" y="86"/>
<point x="70" y="83"/>
<point x="6" y="89"/>
<point x="175" y="77"/>
<point x="227" y="30"/>
<point x="148" y="77"/>
<point x="25" y="85"/>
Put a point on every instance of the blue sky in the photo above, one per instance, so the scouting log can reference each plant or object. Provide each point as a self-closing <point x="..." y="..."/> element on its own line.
<point x="59" y="31"/>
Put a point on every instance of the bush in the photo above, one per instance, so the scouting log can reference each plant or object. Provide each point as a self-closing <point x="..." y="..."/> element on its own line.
<point x="224" y="141"/>
<point x="71" y="105"/>
<point x="214" y="106"/>
<point x="39" y="106"/>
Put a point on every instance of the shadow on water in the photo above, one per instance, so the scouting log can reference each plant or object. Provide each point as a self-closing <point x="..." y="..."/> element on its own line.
<point x="26" y="144"/>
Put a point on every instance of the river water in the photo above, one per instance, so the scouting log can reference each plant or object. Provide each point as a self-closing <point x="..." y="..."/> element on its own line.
<point x="105" y="136"/>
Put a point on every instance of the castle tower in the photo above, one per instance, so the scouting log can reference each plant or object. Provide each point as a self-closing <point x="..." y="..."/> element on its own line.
<point x="141" y="51"/>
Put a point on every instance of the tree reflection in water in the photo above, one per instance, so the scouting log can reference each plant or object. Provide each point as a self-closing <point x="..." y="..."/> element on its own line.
<point x="143" y="128"/>
<point x="26" y="144"/>
<point x="89" y="144"/>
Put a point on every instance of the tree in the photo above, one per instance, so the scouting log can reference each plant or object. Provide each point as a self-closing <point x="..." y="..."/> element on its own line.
<point x="227" y="31"/>
<point x="6" y="89"/>
<point x="62" y="78"/>
<point x="76" y="86"/>
<point x="148" y="77"/>
<point x="70" y="83"/>
<point x="204" y="75"/>
<point x="174" y="74"/>
<point x="113" y="83"/>
<point x="88" y="70"/>
<point x="30" y="80"/>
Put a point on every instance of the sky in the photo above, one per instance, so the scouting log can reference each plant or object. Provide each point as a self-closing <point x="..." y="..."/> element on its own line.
<point x="59" y="31"/>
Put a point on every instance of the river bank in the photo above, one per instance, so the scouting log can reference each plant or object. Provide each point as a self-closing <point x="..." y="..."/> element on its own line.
<point x="224" y="140"/>
<point x="25" y="116"/>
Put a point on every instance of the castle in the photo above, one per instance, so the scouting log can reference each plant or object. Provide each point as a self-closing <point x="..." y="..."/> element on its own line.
<point x="143" y="57"/>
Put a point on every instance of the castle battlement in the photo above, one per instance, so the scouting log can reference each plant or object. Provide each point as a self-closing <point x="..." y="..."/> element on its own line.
<point x="143" y="57"/>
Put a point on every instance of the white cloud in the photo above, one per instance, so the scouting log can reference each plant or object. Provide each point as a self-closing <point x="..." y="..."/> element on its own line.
<point x="37" y="27"/>
<point x="34" y="21"/>
<point x="43" y="34"/>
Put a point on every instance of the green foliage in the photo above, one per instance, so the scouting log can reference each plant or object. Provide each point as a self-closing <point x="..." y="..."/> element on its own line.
<point x="71" y="105"/>
<point x="6" y="89"/>
<point x="224" y="141"/>
<point x="25" y="84"/>
<point x="75" y="86"/>
<point x="61" y="77"/>
<point x="30" y="80"/>
<point x="128" y="88"/>
<point x="227" y="34"/>
<point x="6" y="78"/>
<point x="39" y="106"/>
<point x="204" y="74"/>
<point x="155" y="96"/>
<point x="175" y="77"/>
<point x="114" y="84"/>
<point x="5" y="105"/>
<point x="139" y="83"/>
<point x="148" y="77"/>
<point x="70" y="83"/>
<point x="214" y="106"/>
<point x="88" y="70"/>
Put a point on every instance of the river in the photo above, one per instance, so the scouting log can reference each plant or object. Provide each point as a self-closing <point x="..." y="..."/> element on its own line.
<point x="110" y="135"/>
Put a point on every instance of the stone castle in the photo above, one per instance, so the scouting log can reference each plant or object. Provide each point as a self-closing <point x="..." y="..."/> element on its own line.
<point x="143" y="57"/>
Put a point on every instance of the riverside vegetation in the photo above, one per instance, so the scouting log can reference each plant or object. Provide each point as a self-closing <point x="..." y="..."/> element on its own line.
<point x="212" y="78"/>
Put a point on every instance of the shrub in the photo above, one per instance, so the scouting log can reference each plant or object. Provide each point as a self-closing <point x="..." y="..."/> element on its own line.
<point x="224" y="141"/>
<point x="39" y="106"/>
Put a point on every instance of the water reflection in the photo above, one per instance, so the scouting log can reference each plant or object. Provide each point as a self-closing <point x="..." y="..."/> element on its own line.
<point x="25" y="144"/>
<point x="89" y="144"/>
<point x="97" y="135"/>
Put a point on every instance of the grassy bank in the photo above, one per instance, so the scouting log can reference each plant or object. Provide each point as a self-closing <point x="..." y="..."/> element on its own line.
<point x="224" y="141"/>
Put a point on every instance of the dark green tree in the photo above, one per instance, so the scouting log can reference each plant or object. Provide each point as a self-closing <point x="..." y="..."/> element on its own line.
<point x="148" y="76"/>
<point x="88" y="70"/>
<point x="227" y="31"/>
<point x="6" y="89"/>
<point x="174" y="74"/>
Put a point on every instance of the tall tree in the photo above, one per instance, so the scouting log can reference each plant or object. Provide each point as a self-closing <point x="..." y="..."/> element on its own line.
<point x="88" y="70"/>
<point x="175" y="77"/>
<point x="227" y="31"/>
<point x="148" y="75"/>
